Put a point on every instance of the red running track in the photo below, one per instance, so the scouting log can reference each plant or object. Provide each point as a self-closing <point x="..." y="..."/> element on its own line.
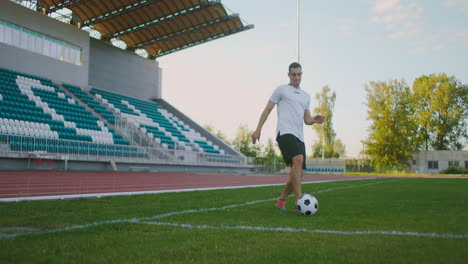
<point x="16" y="186"/>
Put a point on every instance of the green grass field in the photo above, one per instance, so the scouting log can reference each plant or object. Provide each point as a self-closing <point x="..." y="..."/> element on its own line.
<point x="387" y="220"/>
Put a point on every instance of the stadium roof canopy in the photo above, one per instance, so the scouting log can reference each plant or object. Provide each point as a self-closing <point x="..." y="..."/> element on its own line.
<point x="160" y="27"/>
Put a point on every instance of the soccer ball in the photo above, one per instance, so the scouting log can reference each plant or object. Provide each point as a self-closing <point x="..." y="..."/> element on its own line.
<point x="307" y="204"/>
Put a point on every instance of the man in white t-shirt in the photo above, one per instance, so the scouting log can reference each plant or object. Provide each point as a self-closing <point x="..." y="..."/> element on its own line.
<point x="293" y="110"/>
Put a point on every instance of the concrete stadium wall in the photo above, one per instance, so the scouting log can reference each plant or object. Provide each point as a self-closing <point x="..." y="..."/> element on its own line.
<point x="326" y="165"/>
<point x="21" y="164"/>
<point x="25" y="61"/>
<point x="123" y="72"/>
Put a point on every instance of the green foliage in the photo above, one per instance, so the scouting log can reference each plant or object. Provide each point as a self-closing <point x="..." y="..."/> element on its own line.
<point x="268" y="161"/>
<point x="243" y="142"/>
<point x="338" y="150"/>
<point x="454" y="170"/>
<point x="441" y="110"/>
<point x="218" y="133"/>
<point x="265" y="157"/>
<point x="392" y="132"/>
<point x="327" y="145"/>
<point x="430" y="115"/>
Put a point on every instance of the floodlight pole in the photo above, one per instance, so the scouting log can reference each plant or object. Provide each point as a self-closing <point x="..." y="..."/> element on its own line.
<point x="298" y="35"/>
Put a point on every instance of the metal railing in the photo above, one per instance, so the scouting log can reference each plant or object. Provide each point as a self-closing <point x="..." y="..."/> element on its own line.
<point x="24" y="146"/>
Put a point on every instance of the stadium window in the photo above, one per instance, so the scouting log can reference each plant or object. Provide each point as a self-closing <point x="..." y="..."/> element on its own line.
<point x="32" y="43"/>
<point x="414" y="162"/>
<point x="466" y="164"/>
<point x="16" y="37"/>
<point x="53" y="50"/>
<point x="73" y="57"/>
<point x="433" y="164"/>
<point x="2" y="31"/>
<point x="8" y="35"/>
<point x="454" y="163"/>
<point x="60" y="52"/>
<point x="38" y="43"/>
<point x="46" y="47"/>
<point x="23" y="40"/>
<point x="77" y="56"/>
<point x="65" y="54"/>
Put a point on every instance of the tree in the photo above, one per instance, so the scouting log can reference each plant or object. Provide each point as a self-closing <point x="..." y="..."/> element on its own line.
<point x="243" y="142"/>
<point x="393" y="131"/>
<point x="339" y="148"/>
<point x="327" y="145"/>
<point x="268" y="160"/>
<point x="218" y="133"/>
<point x="264" y="156"/>
<point x="269" y="152"/>
<point x="441" y="111"/>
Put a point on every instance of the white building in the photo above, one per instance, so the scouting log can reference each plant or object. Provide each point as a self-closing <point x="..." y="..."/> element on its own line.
<point x="432" y="162"/>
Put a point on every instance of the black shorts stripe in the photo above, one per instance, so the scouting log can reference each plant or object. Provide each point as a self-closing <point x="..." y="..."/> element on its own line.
<point x="290" y="147"/>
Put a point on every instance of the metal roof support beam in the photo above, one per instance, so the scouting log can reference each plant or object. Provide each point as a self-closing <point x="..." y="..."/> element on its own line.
<point x="41" y="7"/>
<point x="188" y="30"/>
<point x="64" y="4"/>
<point x="120" y="11"/>
<point x="164" y="19"/>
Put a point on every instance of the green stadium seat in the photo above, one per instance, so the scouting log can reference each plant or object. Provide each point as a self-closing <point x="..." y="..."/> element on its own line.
<point x="157" y="122"/>
<point x="35" y="108"/>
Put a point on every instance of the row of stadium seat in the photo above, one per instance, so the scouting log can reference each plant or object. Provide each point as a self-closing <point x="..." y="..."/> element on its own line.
<point x="62" y="107"/>
<point x="157" y="122"/>
<point x="26" y="128"/>
<point x="34" y="107"/>
<point x="91" y="102"/>
<point x="31" y="106"/>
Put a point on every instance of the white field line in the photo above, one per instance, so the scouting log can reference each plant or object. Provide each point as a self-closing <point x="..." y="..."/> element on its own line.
<point x="282" y="229"/>
<point x="99" y="195"/>
<point x="305" y="230"/>
<point x="247" y="203"/>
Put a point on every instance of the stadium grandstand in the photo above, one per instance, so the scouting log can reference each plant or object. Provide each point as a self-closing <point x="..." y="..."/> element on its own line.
<point x="80" y="86"/>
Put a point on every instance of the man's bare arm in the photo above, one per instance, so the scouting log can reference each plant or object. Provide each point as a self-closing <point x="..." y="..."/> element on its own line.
<point x="263" y="118"/>
<point x="310" y="120"/>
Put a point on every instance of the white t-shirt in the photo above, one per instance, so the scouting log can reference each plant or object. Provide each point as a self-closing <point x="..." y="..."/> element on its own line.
<point x="292" y="103"/>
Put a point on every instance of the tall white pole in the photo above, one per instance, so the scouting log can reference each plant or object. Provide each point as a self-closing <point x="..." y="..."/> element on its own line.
<point x="298" y="34"/>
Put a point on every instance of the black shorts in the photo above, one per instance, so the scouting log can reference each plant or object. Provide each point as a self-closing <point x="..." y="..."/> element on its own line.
<point x="290" y="147"/>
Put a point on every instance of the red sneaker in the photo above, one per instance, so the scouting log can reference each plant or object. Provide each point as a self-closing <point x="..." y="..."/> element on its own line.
<point x="281" y="204"/>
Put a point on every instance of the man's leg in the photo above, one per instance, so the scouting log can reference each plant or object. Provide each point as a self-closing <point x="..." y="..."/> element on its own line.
<point x="296" y="175"/>
<point x="287" y="191"/>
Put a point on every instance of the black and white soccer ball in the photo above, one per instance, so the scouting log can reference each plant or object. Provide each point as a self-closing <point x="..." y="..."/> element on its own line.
<point x="307" y="204"/>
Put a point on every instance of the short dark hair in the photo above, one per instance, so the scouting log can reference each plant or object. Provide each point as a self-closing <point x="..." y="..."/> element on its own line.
<point x="294" y="65"/>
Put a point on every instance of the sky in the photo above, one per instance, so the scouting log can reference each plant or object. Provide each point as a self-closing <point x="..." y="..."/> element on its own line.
<point x="344" y="44"/>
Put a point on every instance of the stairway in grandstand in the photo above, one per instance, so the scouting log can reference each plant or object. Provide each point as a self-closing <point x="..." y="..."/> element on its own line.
<point x="36" y="115"/>
<point x="107" y="115"/>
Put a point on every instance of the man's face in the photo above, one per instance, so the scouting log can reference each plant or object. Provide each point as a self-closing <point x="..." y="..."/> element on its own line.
<point x="295" y="75"/>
